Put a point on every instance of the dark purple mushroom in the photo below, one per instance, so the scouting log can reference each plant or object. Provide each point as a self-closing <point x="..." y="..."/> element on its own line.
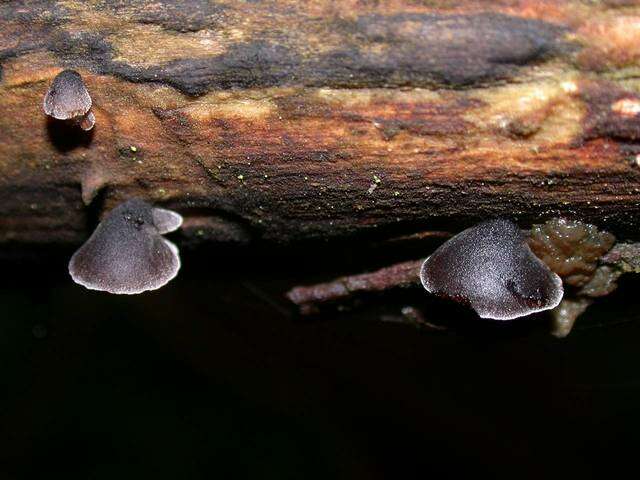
<point x="68" y="99"/>
<point x="127" y="253"/>
<point x="491" y="268"/>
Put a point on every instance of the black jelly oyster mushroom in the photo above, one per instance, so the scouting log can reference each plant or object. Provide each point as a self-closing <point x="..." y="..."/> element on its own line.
<point x="68" y="99"/>
<point x="491" y="268"/>
<point x="127" y="253"/>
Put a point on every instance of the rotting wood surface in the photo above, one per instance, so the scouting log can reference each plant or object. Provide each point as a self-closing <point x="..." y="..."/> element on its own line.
<point x="285" y="121"/>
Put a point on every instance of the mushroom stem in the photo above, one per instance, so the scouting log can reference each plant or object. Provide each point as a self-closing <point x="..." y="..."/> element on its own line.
<point x="91" y="182"/>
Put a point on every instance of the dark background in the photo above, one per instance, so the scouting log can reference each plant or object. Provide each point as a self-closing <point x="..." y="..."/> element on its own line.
<point x="214" y="376"/>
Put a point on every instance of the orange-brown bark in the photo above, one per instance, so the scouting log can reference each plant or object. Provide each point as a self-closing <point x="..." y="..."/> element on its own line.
<point x="285" y="121"/>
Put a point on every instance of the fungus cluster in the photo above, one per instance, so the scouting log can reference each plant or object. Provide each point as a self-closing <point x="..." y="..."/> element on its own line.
<point x="491" y="268"/>
<point x="574" y="250"/>
<point x="68" y="99"/>
<point x="127" y="253"/>
<point x="570" y="248"/>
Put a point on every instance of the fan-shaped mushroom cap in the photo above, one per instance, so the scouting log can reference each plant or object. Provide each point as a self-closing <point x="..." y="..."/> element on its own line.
<point x="88" y="121"/>
<point x="67" y="97"/>
<point x="491" y="268"/>
<point x="127" y="254"/>
<point x="165" y="220"/>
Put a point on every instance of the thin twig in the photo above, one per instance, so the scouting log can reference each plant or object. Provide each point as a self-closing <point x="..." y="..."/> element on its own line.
<point x="310" y="298"/>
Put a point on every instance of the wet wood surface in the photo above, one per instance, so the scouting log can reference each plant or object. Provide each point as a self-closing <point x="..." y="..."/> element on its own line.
<point x="282" y="121"/>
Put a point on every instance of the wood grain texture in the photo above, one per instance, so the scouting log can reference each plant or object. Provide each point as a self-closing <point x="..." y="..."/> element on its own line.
<point x="286" y="121"/>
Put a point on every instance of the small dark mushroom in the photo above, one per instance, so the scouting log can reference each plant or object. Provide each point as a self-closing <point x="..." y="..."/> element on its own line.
<point x="127" y="253"/>
<point x="68" y="99"/>
<point x="491" y="268"/>
<point x="88" y="121"/>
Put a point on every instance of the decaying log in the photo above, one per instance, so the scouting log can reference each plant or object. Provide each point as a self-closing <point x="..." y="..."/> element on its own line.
<point x="283" y="120"/>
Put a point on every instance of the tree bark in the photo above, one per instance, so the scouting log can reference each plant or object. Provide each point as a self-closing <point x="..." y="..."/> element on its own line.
<point x="286" y="121"/>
